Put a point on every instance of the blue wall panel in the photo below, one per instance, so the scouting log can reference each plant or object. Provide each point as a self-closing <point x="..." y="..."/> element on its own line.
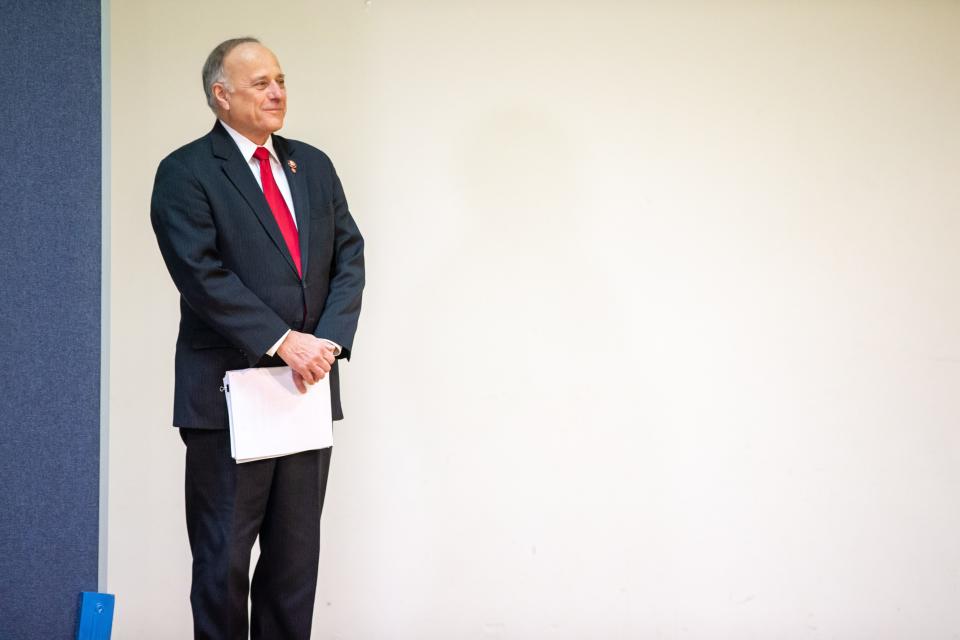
<point x="50" y="211"/>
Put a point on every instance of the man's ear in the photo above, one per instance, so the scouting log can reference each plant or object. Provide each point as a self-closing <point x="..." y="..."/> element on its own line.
<point x="220" y="96"/>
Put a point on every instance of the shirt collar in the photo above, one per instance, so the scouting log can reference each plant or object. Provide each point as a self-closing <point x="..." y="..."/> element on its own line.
<point x="247" y="146"/>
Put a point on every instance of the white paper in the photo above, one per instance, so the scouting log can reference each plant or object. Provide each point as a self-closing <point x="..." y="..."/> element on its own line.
<point x="269" y="417"/>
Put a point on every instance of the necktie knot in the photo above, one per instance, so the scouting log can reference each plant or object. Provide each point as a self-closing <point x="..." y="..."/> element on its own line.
<point x="261" y="154"/>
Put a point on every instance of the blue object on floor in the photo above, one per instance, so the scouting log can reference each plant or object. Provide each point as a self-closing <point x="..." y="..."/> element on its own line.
<point x="96" y="616"/>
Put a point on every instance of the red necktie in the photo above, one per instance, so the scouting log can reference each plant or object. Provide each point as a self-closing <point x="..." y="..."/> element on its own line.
<point x="279" y="206"/>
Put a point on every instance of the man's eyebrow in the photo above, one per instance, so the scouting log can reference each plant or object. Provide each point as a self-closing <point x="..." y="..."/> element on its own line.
<point x="266" y="78"/>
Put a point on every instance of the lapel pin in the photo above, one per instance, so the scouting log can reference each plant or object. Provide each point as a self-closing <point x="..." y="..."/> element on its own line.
<point x="292" y="165"/>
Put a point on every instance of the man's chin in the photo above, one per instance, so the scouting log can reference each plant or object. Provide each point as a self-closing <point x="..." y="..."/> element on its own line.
<point x="272" y="119"/>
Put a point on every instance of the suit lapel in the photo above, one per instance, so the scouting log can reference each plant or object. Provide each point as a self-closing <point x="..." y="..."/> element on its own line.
<point x="299" y="194"/>
<point x="238" y="171"/>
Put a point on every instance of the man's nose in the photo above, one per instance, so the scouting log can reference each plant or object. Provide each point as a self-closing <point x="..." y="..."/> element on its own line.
<point x="275" y="91"/>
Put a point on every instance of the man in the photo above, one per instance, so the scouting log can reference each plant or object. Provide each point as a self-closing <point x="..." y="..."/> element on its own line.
<point x="256" y="234"/>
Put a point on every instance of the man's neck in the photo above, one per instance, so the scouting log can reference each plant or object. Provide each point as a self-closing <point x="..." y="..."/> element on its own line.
<point x="257" y="139"/>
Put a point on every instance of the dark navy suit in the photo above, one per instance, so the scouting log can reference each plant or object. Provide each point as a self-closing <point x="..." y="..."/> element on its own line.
<point x="240" y="292"/>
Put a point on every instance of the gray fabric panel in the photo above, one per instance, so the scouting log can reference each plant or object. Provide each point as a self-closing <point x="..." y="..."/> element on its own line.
<point x="50" y="209"/>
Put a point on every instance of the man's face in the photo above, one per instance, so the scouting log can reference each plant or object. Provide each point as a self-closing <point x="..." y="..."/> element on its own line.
<point x="256" y="100"/>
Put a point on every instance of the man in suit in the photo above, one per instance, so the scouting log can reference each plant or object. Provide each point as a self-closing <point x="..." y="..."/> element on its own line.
<point x="257" y="236"/>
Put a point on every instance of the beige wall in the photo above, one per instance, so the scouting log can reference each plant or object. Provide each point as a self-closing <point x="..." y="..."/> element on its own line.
<point x="661" y="336"/>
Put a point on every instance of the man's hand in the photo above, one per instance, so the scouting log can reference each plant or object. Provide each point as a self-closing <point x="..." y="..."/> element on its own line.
<point x="308" y="356"/>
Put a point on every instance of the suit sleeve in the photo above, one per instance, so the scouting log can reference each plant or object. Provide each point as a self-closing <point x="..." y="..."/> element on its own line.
<point x="187" y="235"/>
<point x="338" y="322"/>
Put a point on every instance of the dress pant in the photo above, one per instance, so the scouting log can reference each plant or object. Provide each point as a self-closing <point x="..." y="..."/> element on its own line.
<point x="228" y="506"/>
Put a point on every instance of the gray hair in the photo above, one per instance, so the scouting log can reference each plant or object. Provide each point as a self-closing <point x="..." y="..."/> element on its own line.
<point x="213" y="67"/>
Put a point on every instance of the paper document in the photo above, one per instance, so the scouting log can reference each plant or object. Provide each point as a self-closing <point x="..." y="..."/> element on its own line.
<point x="270" y="418"/>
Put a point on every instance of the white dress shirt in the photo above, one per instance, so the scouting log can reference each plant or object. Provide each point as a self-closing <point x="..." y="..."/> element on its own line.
<point x="247" y="147"/>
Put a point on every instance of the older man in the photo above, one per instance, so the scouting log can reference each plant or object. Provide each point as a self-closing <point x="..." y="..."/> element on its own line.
<point x="258" y="239"/>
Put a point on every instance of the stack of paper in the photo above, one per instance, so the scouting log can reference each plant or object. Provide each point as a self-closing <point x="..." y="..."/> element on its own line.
<point x="269" y="417"/>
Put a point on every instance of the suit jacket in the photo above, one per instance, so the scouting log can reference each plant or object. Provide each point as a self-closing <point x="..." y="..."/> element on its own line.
<point x="239" y="288"/>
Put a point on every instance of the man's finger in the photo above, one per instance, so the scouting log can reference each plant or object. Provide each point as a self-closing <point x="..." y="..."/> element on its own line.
<point x="308" y="376"/>
<point x="319" y="366"/>
<point x="298" y="382"/>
